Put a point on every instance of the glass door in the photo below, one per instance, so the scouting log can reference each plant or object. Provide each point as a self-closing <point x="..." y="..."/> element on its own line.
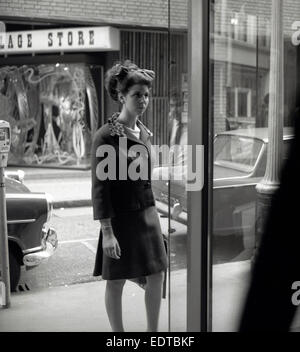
<point x="170" y="101"/>
<point x="178" y="102"/>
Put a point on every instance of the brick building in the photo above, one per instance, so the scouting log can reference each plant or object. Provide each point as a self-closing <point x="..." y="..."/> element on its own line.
<point x="241" y="57"/>
<point x="53" y="95"/>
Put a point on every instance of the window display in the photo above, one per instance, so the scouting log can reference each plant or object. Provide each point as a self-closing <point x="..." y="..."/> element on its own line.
<point x="53" y="112"/>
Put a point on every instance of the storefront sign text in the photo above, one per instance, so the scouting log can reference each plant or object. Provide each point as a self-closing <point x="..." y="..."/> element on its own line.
<point x="67" y="39"/>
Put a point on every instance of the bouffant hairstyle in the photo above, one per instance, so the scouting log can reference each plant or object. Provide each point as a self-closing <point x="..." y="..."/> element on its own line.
<point x="122" y="76"/>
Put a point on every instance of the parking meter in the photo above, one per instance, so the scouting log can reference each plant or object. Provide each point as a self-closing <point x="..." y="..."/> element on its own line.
<point x="4" y="142"/>
<point x="5" y="138"/>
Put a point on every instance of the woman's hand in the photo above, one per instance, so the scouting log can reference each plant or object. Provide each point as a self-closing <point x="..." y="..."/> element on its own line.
<point x="110" y="244"/>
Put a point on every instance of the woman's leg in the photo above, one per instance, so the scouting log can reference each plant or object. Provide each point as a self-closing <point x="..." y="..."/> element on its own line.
<point x="153" y="293"/>
<point x="113" y="303"/>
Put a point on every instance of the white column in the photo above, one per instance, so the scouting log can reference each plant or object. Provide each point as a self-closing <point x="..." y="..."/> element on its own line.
<point x="270" y="182"/>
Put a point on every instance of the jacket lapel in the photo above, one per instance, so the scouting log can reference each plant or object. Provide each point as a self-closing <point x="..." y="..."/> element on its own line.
<point x="117" y="129"/>
<point x="144" y="136"/>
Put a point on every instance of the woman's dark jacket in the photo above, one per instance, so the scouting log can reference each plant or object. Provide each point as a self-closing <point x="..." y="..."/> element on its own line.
<point x="114" y="196"/>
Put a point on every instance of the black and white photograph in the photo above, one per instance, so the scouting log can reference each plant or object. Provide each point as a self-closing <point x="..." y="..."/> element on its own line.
<point x="149" y="168"/>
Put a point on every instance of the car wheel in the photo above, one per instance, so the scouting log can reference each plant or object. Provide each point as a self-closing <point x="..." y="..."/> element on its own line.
<point x="15" y="271"/>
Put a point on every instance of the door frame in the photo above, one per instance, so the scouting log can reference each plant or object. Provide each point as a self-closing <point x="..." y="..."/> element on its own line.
<point x="200" y="132"/>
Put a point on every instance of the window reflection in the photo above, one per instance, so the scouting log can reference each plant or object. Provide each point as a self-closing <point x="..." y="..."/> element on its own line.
<point x="177" y="128"/>
<point x="242" y="112"/>
<point x="235" y="152"/>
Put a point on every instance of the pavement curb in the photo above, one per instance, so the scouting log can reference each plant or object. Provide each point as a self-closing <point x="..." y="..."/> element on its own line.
<point x="52" y="176"/>
<point x="72" y="203"/>
<point x="45" y="173"/>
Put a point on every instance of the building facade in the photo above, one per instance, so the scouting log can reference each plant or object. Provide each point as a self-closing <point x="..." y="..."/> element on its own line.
<point x="53" y="58"/>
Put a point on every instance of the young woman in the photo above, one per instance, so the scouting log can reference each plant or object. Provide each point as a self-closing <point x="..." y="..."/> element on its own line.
<point x="130" y="244"/>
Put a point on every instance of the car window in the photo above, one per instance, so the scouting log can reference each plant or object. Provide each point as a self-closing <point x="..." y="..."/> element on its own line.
<point x="261" y="168"/>
<point x="236" y="152"/>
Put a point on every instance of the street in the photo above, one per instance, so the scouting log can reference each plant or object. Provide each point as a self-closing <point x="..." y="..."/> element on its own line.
<point x="73" y="261"/>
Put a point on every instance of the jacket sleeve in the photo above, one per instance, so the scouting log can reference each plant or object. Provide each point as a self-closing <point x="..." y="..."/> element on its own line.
<point x="101" y="189"/>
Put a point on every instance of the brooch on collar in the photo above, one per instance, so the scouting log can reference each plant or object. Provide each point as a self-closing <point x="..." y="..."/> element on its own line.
<point x="115" y="127"/>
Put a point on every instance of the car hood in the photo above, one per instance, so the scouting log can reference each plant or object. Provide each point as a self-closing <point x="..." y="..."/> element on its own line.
<point x="13" y="186"/>
<point x="220" y="173"/>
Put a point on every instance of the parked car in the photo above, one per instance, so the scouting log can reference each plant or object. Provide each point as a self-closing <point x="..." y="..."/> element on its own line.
<point x="31" y="241"/>
<point x="239" y="164"/>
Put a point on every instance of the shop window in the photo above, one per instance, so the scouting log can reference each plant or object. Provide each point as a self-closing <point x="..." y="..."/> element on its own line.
<point x="264" y="38"/>
<point x="251" y="29"/>
<point x="243" y="27"/>
<point x="52" y="110"/>
<point x="244" y="103"/>
<point x="240" y="104"/>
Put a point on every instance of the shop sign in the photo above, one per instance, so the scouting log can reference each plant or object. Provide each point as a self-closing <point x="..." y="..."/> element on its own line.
<point x="60" y="40"/>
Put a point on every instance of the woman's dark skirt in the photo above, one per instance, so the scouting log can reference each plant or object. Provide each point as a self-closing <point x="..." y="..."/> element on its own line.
<point x="142" y="248"/>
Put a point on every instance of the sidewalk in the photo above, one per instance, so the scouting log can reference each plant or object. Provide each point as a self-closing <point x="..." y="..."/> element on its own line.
<point x="80" y="307"/>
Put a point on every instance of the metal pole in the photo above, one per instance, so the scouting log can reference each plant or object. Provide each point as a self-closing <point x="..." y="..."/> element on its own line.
<point x="169" y="183"/>
<point x="5" y="276"/>
<point x="198" y="245"/>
